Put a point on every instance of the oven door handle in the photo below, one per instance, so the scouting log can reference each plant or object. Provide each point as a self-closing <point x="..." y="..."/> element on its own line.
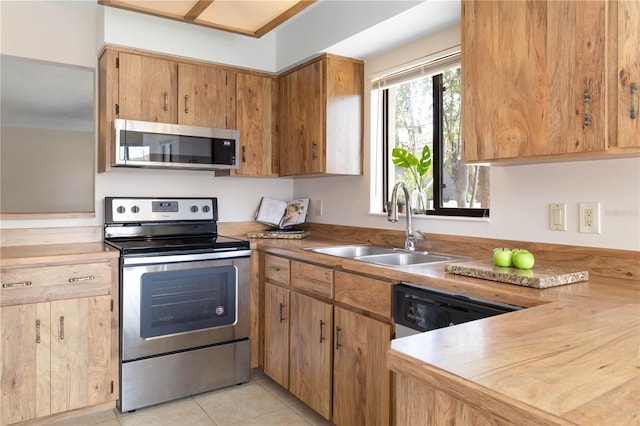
<point x="145" y="260"/>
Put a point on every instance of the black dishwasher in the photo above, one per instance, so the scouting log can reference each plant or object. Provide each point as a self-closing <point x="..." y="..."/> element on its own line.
<point x="417" y="309"/>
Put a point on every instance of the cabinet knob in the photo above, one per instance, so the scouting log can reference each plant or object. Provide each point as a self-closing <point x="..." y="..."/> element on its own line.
<point x="634" y="101"/>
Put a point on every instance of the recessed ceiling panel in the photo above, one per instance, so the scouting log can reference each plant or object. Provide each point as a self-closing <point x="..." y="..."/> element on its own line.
<point x="248" y="17"/>
<point x="248" y="14"/>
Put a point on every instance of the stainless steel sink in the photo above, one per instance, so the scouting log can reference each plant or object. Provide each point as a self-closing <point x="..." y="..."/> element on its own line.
<point x="351" y="251"/>
<point x="386" y="255"/>
<point x="404" y="259"/>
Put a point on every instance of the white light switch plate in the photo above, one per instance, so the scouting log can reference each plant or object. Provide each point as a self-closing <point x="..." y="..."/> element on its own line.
<point x="558" y="217"/>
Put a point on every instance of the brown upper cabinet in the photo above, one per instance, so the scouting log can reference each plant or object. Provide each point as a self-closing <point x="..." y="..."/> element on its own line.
<point x="321" y="117"/>
<point x="537" y="78"/>
<point x="256" y="103"/>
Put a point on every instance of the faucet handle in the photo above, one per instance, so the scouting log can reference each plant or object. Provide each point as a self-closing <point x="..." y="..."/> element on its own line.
<point x="415" y="236"/>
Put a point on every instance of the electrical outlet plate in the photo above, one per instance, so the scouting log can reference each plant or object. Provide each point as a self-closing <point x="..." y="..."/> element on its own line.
<point x="589" y="218"/>
<point x="558" y="217"/>
<point x="318" y="208"/>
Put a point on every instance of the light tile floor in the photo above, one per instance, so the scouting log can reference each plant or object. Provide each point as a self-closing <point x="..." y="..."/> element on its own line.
<point x="261" y="401"/>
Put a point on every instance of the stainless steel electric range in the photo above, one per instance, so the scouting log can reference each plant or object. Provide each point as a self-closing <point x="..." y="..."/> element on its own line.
<point x="184" y="299"/>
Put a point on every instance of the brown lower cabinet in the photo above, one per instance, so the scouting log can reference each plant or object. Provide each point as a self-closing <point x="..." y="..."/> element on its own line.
<point x="58" y="340"/>
<point x="330" y="356"/>
<point x="310" y="352"/>
<point x="361" y="381"/>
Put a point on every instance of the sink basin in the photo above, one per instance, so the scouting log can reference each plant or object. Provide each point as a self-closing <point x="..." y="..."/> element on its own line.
<point x="404" y="259"/>
<point x="386" y="255"/>
<point x="351" y="251"/>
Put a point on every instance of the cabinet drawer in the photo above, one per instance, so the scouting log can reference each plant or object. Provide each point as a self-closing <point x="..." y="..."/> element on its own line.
<point x="370" y="294"/>
<point x="276" y="269"/>
<point x="40" y="284"/>
<point x="314" y="279"/>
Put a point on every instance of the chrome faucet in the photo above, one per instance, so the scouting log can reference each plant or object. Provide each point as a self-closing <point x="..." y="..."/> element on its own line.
<point x="412" y="237"/>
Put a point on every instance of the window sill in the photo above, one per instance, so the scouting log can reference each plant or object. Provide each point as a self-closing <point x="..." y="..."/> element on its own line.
<point x="430" y="217"/>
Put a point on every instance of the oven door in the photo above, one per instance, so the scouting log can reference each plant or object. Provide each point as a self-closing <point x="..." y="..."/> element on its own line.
<point x="184" y="304"/>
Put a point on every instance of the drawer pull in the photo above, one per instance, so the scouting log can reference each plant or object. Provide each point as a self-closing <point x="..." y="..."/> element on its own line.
<point x="21" y="284"/>
<point x="274" y="268"/>
<point x="186" y="104"/>
<point x="61" y="328"/>
<point x="166" y="101"/>
<point x="37" y="331"/>
<point x="87" y="278"/>
<point x="282" y="312"/>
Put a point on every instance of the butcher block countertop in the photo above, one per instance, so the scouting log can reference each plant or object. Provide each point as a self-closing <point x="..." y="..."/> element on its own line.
<point x="572" y="357"/>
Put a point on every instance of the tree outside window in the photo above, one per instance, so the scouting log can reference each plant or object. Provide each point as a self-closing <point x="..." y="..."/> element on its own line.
<point x="420" y="117"/>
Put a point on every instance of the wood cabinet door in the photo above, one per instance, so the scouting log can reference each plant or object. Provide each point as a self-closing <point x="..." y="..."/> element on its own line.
<point x="81" y="369"/>
<point x="628" y="73"/>
<point x="532" y="72"/>
<point x="256" y="106"/>
<point x="202" y="96"/>
<point x="25" y="362"/>
<point x="147" y="88"/>
<point x="303" y="139"/>
<point x="361" y="380"/>
<point x="310" y="374"/>
<point x="276" y="334"/>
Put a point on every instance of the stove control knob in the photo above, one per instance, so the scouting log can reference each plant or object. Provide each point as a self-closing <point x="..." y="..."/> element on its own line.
<point x="194" y="209"/>
<point x="135" y="209"/>
<point x="121" y="209"/>
<point x="206" y="209"/>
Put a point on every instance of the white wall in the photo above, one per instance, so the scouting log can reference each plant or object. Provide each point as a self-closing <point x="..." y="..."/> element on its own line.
<point x="519" y="194"/>
<point x="136" y="30"/>
<point x="67" y="32"/>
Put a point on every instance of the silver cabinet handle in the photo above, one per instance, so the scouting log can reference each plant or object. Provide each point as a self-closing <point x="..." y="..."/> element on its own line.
<point x="587" y="108"/>
<point x="20" y="284"/>
<point x="37" y="331"/>
<point x="634" y="101"/>
<point x="61" y="328"/>
<point x="87" y="278"/>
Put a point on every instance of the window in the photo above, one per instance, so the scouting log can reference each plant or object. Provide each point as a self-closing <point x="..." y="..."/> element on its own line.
<point x="420" y="107"/>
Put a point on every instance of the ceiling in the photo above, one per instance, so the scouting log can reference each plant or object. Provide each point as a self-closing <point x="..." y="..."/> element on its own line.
<point x="248" y="17"/>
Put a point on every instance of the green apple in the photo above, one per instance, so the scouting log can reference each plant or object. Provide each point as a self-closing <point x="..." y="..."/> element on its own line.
<point x="523" y="259"/>
<point x="502" y="256"/>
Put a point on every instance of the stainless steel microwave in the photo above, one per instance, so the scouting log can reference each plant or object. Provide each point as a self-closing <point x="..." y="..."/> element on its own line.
<point x="161" y="145"/>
